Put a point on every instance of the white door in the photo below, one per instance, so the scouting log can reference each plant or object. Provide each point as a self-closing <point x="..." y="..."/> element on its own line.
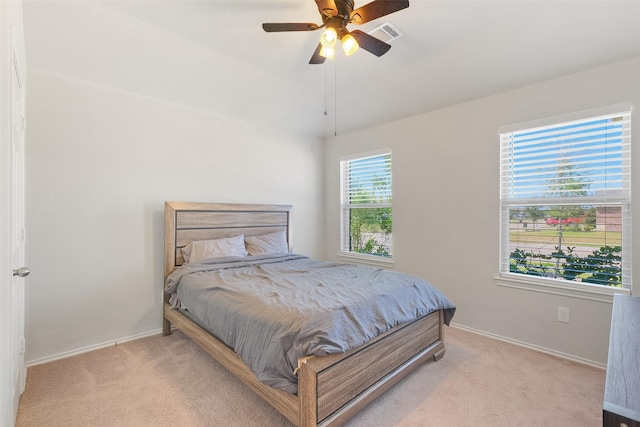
<point x="12" y="238"/>
<point x="12" y="302"/>
<point x="18" y="233"/>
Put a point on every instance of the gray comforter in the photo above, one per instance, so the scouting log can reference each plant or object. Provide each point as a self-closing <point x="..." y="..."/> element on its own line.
<point x="273" y="310"/>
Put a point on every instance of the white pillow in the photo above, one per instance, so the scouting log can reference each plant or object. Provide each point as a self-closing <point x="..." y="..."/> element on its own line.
<point x="216" y="248"/>
<point x="272" y="243"/>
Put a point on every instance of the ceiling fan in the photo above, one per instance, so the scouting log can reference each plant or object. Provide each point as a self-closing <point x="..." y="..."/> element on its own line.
<point x="336" y="14"/>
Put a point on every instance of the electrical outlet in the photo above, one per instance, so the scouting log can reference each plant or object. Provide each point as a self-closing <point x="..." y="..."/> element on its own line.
<point x="564" y="315"/>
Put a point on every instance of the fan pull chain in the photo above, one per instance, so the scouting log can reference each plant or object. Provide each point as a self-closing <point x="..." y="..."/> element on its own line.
<point x="335" y="96"/>
<point x="335" y="99"/>
<point x="325" y="89"/>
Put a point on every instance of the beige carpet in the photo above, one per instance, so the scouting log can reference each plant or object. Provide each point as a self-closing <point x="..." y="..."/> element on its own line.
<point x="169" y="381"/>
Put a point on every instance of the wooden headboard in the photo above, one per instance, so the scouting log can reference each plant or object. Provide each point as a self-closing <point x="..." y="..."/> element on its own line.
<point x="185" y="222"/>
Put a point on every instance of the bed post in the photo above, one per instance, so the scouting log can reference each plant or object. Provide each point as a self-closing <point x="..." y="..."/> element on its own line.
<point x="307" y="397"/>
<point x="169" y="259"/>
<point x="166" y="324"/>
<point x="438" y="355"/>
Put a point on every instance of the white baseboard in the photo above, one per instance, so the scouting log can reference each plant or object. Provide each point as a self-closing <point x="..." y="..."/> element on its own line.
<point x="532" y="347"/>
<point x="453" y="325"/>
<point x="90" y="348"/>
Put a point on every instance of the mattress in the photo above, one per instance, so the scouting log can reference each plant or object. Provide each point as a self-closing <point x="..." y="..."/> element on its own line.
<point x="274" y="309"/>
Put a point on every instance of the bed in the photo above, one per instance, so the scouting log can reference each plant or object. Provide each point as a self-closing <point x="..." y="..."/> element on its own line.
<point x="330" y="388"/>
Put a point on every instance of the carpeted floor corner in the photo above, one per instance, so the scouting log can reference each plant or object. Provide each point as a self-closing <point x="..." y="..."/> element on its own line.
<point x="169" y="381"/>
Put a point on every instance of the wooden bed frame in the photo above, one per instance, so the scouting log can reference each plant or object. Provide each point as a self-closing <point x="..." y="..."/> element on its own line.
<point x="331" y="389"/>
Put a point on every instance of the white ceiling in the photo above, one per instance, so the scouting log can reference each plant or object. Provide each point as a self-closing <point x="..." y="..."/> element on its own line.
<point x="214" y="56"/>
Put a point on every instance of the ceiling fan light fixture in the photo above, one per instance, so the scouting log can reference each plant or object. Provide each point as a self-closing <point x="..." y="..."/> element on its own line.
<point x="336" y="16"/>
<point x="329" y="37"/>
<point x="349" y="44"/>
<point x="327" y="52"/>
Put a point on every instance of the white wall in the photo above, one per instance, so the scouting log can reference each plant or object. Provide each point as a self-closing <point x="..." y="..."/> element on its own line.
<point x="445" y="205"/>
<point x="100" y="164"/>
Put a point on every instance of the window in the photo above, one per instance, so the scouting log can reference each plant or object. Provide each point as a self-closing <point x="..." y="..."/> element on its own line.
<point x="366" y="205"/>
<point x="565" y="200"/>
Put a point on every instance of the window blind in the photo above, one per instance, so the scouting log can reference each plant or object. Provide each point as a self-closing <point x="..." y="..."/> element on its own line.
<point x="559" y="161"/>
<point x="368" y="181"/>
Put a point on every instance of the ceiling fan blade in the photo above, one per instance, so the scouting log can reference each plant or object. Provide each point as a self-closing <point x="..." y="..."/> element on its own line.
<point x="316" y="58"/>
<point x="274" y="28"/>
<point x="370" y="43"/>
<point x="327" y="7"/>
<point x="377" y="9"/>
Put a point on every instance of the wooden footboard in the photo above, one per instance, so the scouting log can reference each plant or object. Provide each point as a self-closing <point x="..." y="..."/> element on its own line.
<point x="331" y="389"/>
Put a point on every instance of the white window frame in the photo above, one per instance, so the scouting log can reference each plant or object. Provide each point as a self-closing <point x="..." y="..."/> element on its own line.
<point x="560" y="286"/>
<point x="345" y="207"/>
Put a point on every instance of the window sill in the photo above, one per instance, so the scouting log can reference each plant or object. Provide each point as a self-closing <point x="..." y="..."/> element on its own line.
<point x="376" y="261"/>
<point x="556" y="287"/>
